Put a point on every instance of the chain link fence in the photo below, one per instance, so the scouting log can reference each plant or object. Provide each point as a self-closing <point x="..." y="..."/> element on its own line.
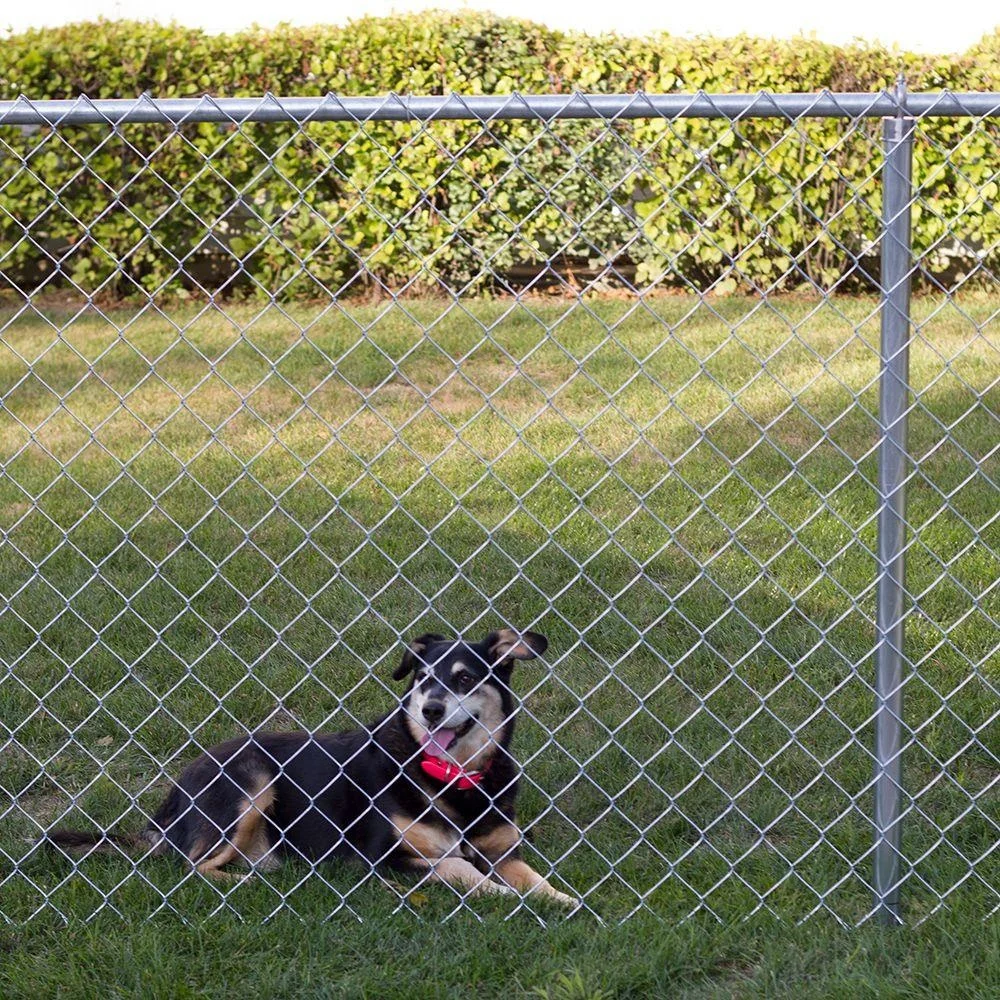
<point x="286" y="383"/>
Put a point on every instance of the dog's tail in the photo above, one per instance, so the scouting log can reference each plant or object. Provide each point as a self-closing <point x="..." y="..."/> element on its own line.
<point x="87" y="842"/>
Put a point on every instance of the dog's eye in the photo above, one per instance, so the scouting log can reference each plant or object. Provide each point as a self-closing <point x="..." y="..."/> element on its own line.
<point x="464" y="681"/>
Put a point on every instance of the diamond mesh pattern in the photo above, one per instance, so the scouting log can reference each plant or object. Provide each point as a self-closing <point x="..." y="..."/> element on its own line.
<point x="284" y="384"/>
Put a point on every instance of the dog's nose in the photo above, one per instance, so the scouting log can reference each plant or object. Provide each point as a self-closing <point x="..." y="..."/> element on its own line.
<point x="433" y="711"/>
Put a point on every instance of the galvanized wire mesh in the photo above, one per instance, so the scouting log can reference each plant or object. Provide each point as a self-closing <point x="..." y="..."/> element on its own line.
<point x="285" y="383"/>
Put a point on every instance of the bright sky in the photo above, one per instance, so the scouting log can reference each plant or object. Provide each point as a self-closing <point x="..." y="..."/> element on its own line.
<point x="917" y="26"/>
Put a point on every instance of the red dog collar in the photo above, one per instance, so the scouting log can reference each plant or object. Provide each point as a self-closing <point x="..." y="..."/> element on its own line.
<point x="443" y="771"/>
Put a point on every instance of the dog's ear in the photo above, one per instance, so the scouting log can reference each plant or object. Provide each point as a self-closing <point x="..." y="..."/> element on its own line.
<point x="506" y="644"/>
<point x="412" y="655"/>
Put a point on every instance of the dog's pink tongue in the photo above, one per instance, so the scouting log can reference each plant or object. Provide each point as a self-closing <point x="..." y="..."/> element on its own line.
<point x="437" y="743"/>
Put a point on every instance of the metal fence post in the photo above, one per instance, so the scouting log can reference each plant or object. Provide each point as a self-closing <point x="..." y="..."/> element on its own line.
<point x="897" y="136"/>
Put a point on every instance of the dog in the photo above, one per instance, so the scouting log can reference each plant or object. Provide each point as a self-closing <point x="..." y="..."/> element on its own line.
<point x="430" y="788"/>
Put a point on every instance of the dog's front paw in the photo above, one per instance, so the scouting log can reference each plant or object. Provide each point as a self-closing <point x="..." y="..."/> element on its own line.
<point x="545" y="890"/>
<point x="570" y="902"/>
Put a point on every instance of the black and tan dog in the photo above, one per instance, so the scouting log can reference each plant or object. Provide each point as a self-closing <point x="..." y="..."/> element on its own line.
<point x="430" y="787"/>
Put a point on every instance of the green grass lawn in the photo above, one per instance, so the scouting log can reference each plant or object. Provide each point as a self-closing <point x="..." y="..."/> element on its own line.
<point x="408" y="958"/>
<point x="225" y="519"/>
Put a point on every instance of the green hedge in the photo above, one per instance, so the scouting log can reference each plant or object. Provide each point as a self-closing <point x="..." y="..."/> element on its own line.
<point x="290" y="211"/>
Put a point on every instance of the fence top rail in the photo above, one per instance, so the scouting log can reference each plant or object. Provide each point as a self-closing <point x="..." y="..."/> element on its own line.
<point x="544" y="107"/>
